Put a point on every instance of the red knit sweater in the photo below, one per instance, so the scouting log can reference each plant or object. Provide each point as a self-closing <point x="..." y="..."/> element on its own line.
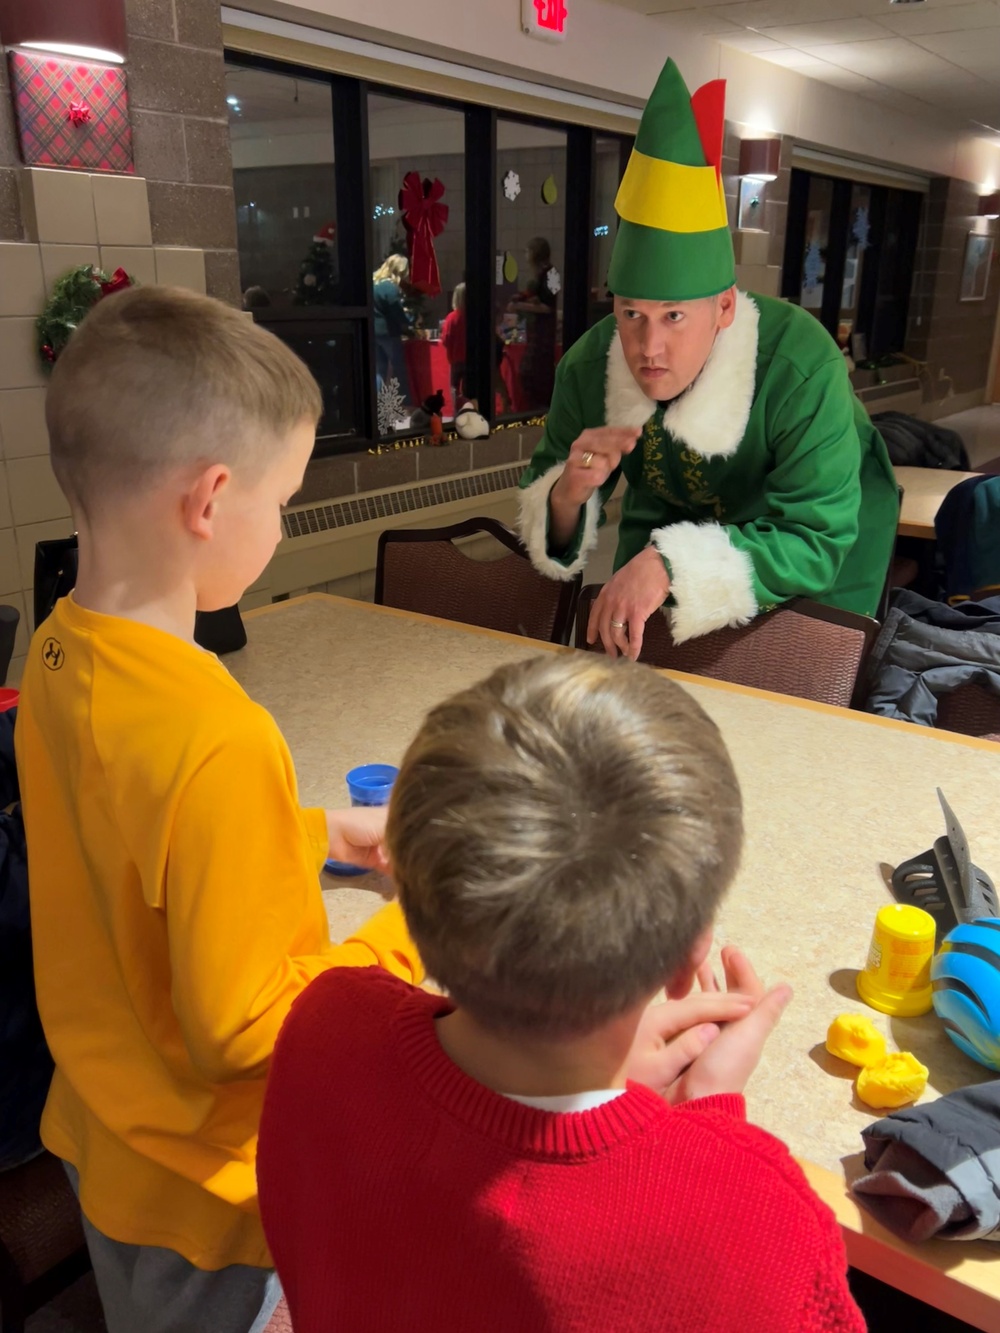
<point x="399" y="1196"/>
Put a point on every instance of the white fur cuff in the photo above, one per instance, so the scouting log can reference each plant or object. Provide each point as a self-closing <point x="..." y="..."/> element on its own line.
<point x="533" y="526"/>
<point x="712" y="581"/>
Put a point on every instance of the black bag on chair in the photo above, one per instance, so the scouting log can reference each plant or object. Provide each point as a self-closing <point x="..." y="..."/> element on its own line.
<point x="56" y="565"/>
<point x="55" y="573"/>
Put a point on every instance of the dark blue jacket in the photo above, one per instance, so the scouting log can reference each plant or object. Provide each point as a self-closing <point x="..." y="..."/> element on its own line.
<point x="25" y="1063"/>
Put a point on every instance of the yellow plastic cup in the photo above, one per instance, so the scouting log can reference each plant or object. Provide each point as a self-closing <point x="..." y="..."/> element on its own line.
<point x="897" y="976"/>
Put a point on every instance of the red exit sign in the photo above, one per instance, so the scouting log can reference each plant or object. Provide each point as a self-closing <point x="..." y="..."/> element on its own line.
<point x="545" y="19"/>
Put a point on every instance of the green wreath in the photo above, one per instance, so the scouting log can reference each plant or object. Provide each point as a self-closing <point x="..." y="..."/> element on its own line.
<point x="73" y="295"/>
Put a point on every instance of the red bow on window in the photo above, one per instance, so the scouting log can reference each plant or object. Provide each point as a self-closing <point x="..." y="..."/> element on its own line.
<point x="116" y="283"/>
<point x="424" y="217"/>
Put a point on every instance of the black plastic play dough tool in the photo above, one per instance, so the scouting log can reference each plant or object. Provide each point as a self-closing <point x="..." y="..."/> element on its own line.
<point x="944" y="881"/>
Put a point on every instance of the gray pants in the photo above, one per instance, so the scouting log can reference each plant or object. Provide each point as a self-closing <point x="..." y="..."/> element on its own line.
<point x="148" y="1289"/>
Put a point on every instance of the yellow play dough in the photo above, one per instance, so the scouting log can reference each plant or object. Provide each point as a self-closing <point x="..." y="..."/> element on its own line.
<point x="899" y="1079"/>
<point x="510" y="267"/>
<point x="855" y="1038"/>
<point x="550" y="191"/>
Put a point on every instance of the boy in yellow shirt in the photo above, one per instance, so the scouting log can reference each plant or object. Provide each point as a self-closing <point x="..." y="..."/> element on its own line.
<point x="176" y="910"/>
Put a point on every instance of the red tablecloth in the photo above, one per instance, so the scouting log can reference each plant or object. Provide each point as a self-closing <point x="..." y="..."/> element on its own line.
<point x="429" y="370"/>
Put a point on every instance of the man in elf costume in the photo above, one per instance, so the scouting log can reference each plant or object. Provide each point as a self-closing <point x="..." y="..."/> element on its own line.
<point x="754" y="473"/>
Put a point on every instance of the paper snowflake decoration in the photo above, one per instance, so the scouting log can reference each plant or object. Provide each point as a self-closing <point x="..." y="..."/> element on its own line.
<point x="390" y="406"/>
<point x="512" y="185"/>
<point x="553" y="281"/>
<point x="861" y="228"/>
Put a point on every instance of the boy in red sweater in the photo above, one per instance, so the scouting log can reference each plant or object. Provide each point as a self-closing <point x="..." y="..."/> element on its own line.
<point x="453" y="340"/>
<point x="561" y="835"/>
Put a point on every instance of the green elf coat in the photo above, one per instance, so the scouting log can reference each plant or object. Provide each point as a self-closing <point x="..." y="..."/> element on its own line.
<point x="765" y="480"/>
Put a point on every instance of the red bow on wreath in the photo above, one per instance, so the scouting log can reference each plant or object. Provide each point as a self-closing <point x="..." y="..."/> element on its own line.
<point x="424" y="217"/>
<point x="118" y="281"/>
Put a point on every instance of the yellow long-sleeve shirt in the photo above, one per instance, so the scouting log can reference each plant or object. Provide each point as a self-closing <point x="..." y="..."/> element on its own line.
<point x="176" y="914"/>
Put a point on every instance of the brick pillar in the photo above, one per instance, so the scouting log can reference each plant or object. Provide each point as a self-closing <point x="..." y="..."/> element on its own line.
<point x="181" y="132"/>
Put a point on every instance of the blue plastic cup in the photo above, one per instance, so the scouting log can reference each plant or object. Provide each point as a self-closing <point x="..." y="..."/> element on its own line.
<point x="368" y="784"/>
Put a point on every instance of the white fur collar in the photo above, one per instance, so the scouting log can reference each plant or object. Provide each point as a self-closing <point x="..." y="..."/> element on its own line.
<point x="712" y="416"/>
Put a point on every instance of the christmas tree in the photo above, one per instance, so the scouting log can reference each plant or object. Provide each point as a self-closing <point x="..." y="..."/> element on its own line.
<point x="317" y="283"/>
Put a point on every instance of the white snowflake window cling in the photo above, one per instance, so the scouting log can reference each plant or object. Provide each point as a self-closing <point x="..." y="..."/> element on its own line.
<point x="390" y="406"/>
<point x="511" y="185"/>
<point x="553" y="281"/>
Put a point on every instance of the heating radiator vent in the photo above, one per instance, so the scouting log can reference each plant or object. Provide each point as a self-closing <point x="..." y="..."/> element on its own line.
<point x="407" y="499"/>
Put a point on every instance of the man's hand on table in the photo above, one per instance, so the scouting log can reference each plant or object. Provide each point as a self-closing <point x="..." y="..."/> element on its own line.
<point x="618" y="617"/>
<point x="357" y="836"/>
<point x="592" y="458"/>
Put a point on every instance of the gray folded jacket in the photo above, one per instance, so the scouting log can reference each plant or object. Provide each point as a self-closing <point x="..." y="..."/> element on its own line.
<point x="934" y="1170"/>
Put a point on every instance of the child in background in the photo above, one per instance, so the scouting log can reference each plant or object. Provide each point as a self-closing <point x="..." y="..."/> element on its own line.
<point x="176" y="908"/>
<point x="561" y="835"/>
<point x="453" y="341"/>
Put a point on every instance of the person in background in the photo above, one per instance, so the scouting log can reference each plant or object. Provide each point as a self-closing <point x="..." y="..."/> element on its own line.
<point x="175" y="899"/>
<point x="538" y="304"/>
<point x="453" y="341"/>
<point x="521" y="1155"/>
<point x="256" y="298"/>
<point x="392" y="323"/>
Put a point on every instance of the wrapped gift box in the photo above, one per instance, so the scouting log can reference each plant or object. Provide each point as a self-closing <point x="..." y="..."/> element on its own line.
<point x="70" y="112"/>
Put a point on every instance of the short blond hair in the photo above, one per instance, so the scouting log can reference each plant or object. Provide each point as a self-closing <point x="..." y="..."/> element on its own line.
<point x="561" y="833"/>
<point x="157" y="377"/>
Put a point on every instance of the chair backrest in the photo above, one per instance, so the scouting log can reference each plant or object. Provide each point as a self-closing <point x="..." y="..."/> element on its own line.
<point x="423" y="570"/>
<point x="42" y="1245"/>
<point x="970" y="710"/>
<point x="802" y="648"/>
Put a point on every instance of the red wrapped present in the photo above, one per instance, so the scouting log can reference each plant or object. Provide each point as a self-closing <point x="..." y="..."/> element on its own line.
<point x="71" y="113"/>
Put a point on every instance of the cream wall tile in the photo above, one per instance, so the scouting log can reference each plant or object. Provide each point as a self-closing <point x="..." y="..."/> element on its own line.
<point x="19" y="367"/>
<point x="22" y="422"/>
<point x="251" y="600"/>
<point x="121" y="204"/>
<point x="10" y="569"/>
<point x="63" y="206"/>
<point x="59" y="259"/>
<point x="16" y="671"/>
<point x="6" y="518"/>
<point x="137" y="261"/>
<point x="35" y="496"/>
<point x="177" y="266"/>
<point x="27" y="536"/>
<point x="22" y="290"/>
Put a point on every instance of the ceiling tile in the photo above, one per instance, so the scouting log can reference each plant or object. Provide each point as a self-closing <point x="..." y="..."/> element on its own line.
<point x="701" y="22"/>
<point x="967" y="49"/>
<point x="884" y="59"/>
<point x="917" y="20"/>
<point x="801" y="61"/>
<point x="808" y="35"/>
<point x="754" y="43"/>
<point x="761" y="14"/>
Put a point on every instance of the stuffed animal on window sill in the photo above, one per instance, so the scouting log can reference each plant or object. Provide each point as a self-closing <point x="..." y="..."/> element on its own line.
<point x="469" y="424"/>
<point x="427" y="417"/>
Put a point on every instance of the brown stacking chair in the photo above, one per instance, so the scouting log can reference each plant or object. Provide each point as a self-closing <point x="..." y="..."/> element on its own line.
<point x="800" y="648"/>
<point x="421" y="569"/>
<point x="970" y="710"/>
<point x="42" y="1247"/>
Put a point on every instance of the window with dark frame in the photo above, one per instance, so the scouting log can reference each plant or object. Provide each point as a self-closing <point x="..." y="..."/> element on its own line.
<point x="849" y="254"/>
<point x="318" y="162"/>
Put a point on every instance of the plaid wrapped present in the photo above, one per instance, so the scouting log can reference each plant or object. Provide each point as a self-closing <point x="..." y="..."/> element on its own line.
<point x="71" y="113"/>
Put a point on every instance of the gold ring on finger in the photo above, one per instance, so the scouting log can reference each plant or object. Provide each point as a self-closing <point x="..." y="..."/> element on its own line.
<point x="587" y="458"/>
<point x="618" y="624"/>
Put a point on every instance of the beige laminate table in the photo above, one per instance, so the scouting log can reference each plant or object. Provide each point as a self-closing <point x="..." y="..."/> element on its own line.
<point x="923" y="490"/>
<point x="829" y="795"/>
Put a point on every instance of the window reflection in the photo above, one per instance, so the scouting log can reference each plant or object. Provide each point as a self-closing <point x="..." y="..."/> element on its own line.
<point x="531" y="211"/>
<point x="281" y="132"/>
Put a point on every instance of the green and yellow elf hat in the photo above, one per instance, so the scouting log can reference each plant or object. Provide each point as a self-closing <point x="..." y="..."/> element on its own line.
<point x="673" y="241"/>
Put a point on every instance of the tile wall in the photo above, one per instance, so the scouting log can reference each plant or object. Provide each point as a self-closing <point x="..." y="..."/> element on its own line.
<point x="68" y="218"/>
